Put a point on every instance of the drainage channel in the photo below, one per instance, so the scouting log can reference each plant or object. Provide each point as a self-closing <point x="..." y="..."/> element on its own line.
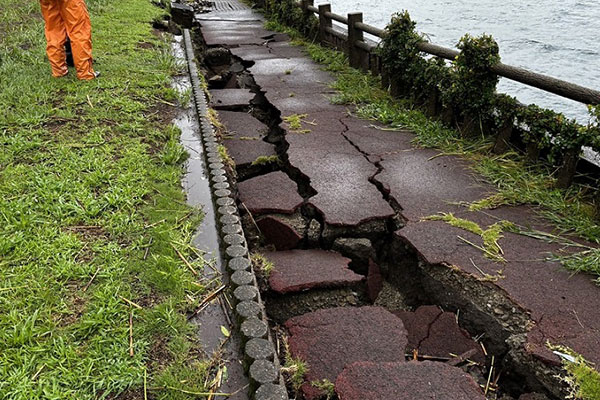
<point x="223" y="348"/>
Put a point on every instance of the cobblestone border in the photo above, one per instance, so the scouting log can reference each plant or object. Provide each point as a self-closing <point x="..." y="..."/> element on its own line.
<point x="260" y="358"/>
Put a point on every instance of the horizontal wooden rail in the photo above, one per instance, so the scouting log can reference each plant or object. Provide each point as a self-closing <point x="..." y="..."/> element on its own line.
<point x="544" y="82"/>
<point x="337" y="18"/>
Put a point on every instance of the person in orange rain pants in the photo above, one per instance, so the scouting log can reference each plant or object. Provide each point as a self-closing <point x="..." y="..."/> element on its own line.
<point x="68" y="17"/>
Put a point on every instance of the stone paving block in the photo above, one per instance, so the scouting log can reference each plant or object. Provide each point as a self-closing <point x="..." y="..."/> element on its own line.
<point x="300" y="270"/>
<point x="329" y="340"/>
<point x="406" y="381"/>
<point x="274" y="192"/>
<point x="237" y="15"/>
<point x="227" y="99"/>
<point x="375" y="139"/>
<point x="244" y="138"/>
<point x="253" y="53"/>
<point x="245" y="152"/>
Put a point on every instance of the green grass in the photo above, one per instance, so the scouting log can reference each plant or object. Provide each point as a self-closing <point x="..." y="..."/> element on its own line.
<point x="262" y="160"/>
<point x="517" y="182"/>
<point x="90" y="209"/>
<point x="582" y="378"/>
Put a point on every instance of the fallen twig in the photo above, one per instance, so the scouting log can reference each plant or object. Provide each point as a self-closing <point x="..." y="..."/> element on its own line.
<point x="131" y="303"/>
<point x="207" y="300"/>
<point x="12" y="288"/>
<point x="487" y="385"/>
<point x="38" y="372"/>
<point x="225" y="311"/>
<point x="251" y="218"/>
<point x="145" y="384"/>
<point x="86" y="287"/>
<point x="187" y="263"/>
<point x="131" y="333"/>
<point x="462" y="358"/>
<point x="147" y="248"/>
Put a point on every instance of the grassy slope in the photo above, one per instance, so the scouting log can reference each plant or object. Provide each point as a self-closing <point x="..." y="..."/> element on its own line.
<point x="90" y="180"/>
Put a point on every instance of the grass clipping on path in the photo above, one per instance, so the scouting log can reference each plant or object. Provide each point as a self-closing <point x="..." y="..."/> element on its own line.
<point x="92" y="292"/>
<point x="517" y="182"/>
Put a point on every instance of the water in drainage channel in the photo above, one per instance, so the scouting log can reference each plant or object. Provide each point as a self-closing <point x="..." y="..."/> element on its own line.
<point x="215" y="314"/>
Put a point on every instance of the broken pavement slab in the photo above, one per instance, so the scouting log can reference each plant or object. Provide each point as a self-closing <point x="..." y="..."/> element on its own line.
<point x="435" y="333"/>
<point x="301" y="270"/>
<point x="346" y="335"/>
<point x="406" y="381"/>
<point x="423" y="183"/>
<point x="274" y="192"/>
<point x="552" y="298"/>
<point x="233" y="33"/>
<point x="244" y="138"/>
<point x="230" y="99"/>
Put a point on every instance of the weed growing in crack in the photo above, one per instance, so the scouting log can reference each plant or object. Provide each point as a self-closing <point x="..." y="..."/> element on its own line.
<point x="261" y="264"/>
<point x="262" y="160"/>
<point x="222" y="150"/>
<point x="490" y="236"/>
<point x="295" y="121"/>
<point x="582" y="378"/>
<point x="295" y="369"/>
<point x="326" y="386"/>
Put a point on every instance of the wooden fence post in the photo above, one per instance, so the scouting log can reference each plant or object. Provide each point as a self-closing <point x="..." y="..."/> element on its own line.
<point x="354" y="35"/>
<point x="324" y="22"/>
<point x="305" y="4"/>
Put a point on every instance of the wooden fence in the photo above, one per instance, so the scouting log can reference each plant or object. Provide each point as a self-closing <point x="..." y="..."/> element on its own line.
<point x="361" y="53"/>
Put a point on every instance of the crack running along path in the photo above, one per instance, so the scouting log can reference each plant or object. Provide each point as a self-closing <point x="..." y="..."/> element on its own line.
<point x="347" y="162"/>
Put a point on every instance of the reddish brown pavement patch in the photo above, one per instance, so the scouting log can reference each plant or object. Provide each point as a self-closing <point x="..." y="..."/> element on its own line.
<point x="296" y="74"/>
<point x="564" y="307"/>
<point x="227" y="99"/>
<point x="299" y="270"/>
<point x="433" y="332"/>
<point x="274" y="192"/>
<point x="329" y="340"/>
<point x="406" y="381"/>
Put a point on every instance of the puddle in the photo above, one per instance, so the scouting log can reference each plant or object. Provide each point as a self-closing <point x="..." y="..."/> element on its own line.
<point x="196" y="185"/>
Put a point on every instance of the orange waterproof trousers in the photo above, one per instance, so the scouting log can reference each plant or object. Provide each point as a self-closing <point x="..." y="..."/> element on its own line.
<point x="68" y="17"/>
